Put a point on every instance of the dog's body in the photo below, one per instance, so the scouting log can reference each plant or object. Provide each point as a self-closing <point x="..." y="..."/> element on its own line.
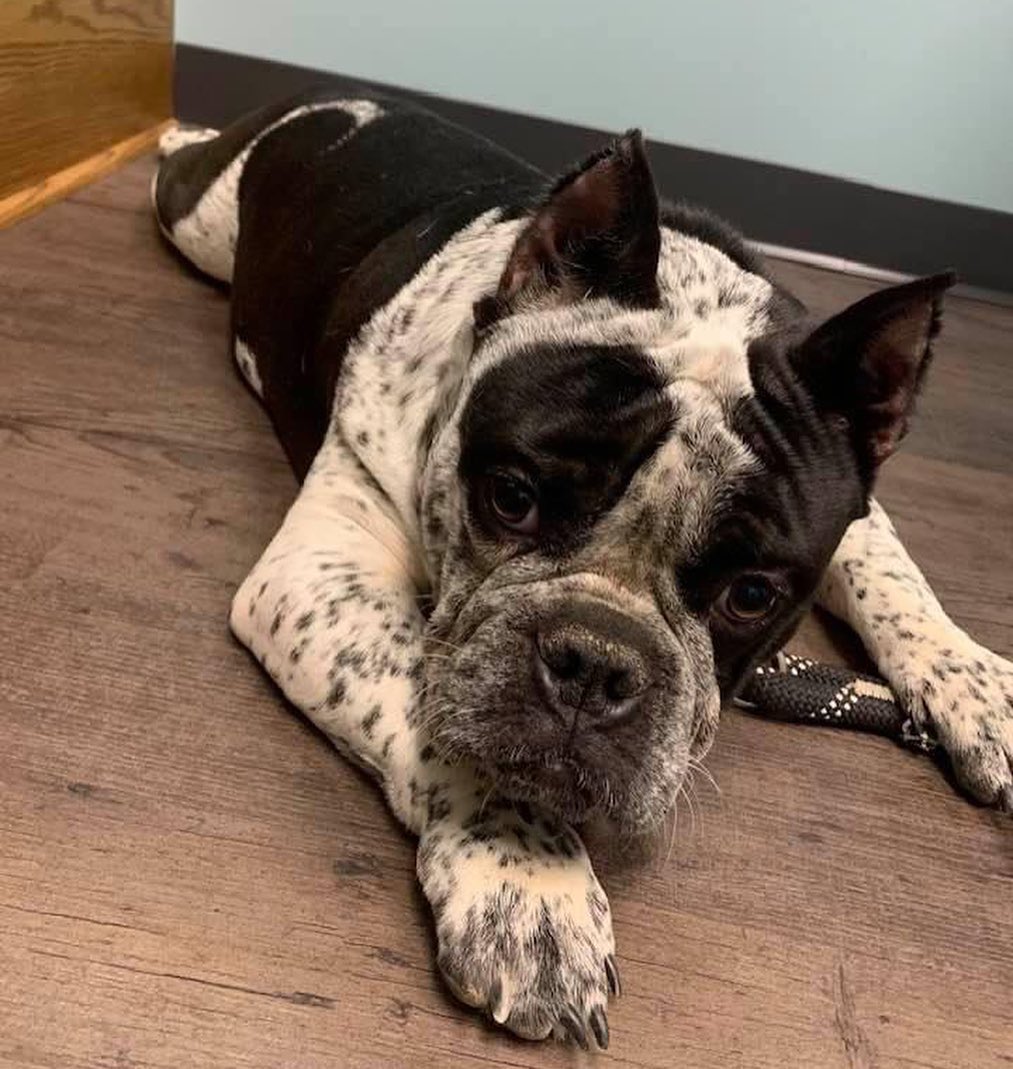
<point x="615" y="457"/>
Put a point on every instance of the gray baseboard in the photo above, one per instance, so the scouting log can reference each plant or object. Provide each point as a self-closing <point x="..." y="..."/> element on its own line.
<point x="771" y="204"/>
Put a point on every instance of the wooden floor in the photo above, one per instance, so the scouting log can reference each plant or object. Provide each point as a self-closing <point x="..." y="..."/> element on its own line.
<point x="189" y="876"/>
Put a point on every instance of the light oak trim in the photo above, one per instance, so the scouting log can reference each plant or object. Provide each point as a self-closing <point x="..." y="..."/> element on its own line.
<point x="76" y="77"/>
<point x="28" y="201"/>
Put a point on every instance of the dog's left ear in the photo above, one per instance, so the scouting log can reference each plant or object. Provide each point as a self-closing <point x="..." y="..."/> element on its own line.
<point x="596" y="235"/>
<point x="867" y="363"/>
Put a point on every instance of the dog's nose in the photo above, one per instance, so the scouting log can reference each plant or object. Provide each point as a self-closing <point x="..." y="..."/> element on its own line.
<point x="583" y="671"/>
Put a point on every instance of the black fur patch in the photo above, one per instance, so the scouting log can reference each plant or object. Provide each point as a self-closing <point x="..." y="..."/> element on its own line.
<point x="578" y="421"/>
<point x="787" y="518"/>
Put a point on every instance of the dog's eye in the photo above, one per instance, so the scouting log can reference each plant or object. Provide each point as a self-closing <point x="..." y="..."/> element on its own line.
<point x="513" y="502"/>
<point x="749" y="598"/>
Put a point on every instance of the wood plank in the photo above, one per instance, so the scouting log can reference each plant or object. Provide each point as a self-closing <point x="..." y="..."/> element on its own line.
<point x="34" y="198"/>
<point x="190" y="876"/>
<point x="77" y="77"/>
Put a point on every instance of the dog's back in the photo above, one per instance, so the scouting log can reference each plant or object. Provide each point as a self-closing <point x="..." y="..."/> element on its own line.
<point x="318" y="210"/>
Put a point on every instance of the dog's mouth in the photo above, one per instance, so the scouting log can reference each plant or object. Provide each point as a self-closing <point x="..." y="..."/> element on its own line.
<point x="555" y="781"/>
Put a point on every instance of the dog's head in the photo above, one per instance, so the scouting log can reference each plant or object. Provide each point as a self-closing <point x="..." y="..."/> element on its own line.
<point x="650" y="462"/>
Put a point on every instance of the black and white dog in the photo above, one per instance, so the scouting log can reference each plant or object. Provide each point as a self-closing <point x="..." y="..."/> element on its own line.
<point x="572" y="464"/>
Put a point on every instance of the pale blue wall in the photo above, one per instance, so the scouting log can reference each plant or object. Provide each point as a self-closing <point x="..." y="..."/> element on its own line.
<point x="913" y="95"/>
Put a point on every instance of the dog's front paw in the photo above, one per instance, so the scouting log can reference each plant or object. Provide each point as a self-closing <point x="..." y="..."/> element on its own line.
<point x="523" y="926"/>
<point x="962" y="694"/>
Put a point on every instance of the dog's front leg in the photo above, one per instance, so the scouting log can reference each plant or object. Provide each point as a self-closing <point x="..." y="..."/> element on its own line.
<point x="331" y="611"/>
<point x="948" y="684"/>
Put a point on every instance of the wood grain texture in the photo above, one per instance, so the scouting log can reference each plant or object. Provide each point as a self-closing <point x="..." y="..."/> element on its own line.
<point x="76" y="77"/>
<point x="34" y="198"/>
<point x="189" y="876"/>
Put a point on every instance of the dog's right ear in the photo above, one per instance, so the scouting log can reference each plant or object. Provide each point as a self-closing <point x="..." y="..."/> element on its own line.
<point x="596" y="235"/>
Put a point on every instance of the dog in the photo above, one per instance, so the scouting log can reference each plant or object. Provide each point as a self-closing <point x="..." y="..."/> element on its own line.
<point x="572" y="465"/>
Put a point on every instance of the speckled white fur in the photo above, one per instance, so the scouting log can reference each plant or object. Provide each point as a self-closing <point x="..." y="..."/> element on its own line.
<point x="949" y="685"/>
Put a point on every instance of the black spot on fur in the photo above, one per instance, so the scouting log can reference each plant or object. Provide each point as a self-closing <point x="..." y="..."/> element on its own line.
<point x="370" y="719"/>
<point x="338" y="692"/>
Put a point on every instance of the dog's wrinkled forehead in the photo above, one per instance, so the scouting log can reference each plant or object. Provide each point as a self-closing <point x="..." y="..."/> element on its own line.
<point x="709" y="310"/>
<point x="607" y="403"/>
<point x="631" y="463"/>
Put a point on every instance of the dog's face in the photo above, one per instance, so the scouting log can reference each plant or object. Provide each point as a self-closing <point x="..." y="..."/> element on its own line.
<point x="650" y="463"/>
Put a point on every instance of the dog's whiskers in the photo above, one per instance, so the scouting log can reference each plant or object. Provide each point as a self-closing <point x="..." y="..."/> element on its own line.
<point x="698" y="766"/>
<point x="431" y="712"/>
<point x="429" y="715"/>
<point x="423" y="691"/>
<point x="485" y="801"/>
<point x="696" y="805"/>
<point x="683" y="792"/>
<point x="674" y="812"/>
<point x="444" y="642"/>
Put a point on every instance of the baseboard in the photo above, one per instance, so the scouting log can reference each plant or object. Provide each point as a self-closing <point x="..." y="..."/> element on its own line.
<point x="35" y="197"/>
<point x="75" y="77"/>
<point x="774" y="205"/>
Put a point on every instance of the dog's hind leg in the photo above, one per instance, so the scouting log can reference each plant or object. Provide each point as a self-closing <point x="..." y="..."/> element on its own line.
<point x="949" y="686"/>
<point x="196" y="192"/>
<point x="200" y="204"/>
